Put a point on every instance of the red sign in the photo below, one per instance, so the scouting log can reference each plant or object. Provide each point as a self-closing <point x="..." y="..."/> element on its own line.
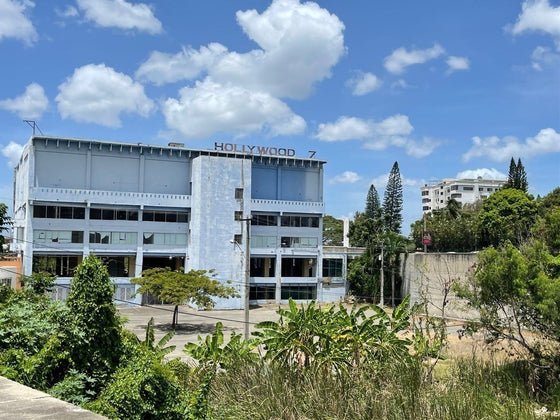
<point x="426" y="238"/>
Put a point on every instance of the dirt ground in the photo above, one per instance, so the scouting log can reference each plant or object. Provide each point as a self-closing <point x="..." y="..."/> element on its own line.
<point x="193" y="323"/>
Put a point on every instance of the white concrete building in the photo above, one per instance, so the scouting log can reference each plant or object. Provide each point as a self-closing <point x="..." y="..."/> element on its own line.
<point x="465" y="191"/>
<point x="139" y="206"/>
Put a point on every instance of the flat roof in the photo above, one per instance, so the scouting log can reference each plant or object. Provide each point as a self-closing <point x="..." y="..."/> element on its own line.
<point x="265" y="155"/>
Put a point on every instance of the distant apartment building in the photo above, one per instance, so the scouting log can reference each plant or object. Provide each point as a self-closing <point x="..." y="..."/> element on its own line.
<point x="465" y="191"/>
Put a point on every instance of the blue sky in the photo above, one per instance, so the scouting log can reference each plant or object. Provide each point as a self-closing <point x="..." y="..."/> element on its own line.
<point x="445" y="88"/>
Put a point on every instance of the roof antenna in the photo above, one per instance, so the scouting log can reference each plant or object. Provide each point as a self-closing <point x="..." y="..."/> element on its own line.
<point x="33" y="125"/>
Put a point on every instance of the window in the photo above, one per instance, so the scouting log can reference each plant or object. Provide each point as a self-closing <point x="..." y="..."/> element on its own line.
<point x="426" y="208"/>
<point x="57" y="265"/>
<point x="113" y="238"/>
<point x="299" y="292"/>
<point x="58" y="212"/>
<point x="300" y="221"/>
<point x="263" y="241"/>
<point x="456" y="195"/>
<point x="298" y="242"/>
<point x="488" y="189"/>
<point x="263" y="266"/>
<point x="468" y="188"/>
<point x="118" y="266"/>
<point x="480" y="189"/>
<point x="454" y="187"/>
<point x="238" y="215"/>
<point x="96" y="213"/>
<point x="425" y="193"/>
<point x="58" y="236"/>
<point x="264" y="220"/>
<point x="164" y="216"/>
<point x="426" y="200"/>
<point x="239" y="193"/>
<point x="262" y="292"/>
<point x="238" y="239"/>
<point x="332" y="267"/>
<point x="151" y="238"/>
<point x="298" y="267"/>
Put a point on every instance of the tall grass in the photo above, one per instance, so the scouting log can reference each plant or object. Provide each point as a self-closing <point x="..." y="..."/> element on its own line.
<point x="472" y="389"/>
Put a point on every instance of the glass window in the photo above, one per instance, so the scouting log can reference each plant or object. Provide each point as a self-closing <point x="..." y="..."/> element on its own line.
<point x="52" y="212"/>
<point x="121" y="214"/>
<point x="332" y="267"/>
<point x="238" y="215"/>
<point x="108" y="214"/>
<point x="258" y="241"/>
<point x="148" y="238"/>
<point x="264" y="220"/>
<point x="159" y="216"/>
<point x="79" y="213"/>
<point x="299" y="292"/>
<point x="132" y="215"/>
<point x="182" y="217"/>
<point x="262" y="292"/>
<point x="147" y="216"/>
<point x="95" y="214"/>
<point x="239" y="193"/>
<point x="40" y="211"/>
<point x="66" y="212"/>
<point x="171" y="217"/>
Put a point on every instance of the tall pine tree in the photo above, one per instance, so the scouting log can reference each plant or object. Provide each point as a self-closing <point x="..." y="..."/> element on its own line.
<point x="373" y="207"/>
<point x="517" y="177"/>
<point x="393" y="201"/>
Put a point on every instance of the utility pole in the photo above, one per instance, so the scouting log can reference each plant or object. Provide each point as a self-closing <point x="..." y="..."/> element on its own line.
<point x="423" y="233"/>
<point x="382" y="279"/>
<point x="247" y="274"/>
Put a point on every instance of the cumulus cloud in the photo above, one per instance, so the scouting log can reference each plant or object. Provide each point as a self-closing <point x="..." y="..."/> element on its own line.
<point x="457" y="63"/>
<point x="400" y="59"/>
<point x="484" y="173"/>
<point x="392" y="131"/>
<point x="364" y="83"/>
<point x="298" y="46"/>
<point x="161" y="68"/>
<point x="543" y="57"/>
<point x="345" y="128"/>
<point x="14" y="22"/>
<point x="347" y="177"/>
<point x="13" y="152"/>
<point x="210" y="107"/>
<point x="538" y="16"/>
<point x="98" y="94"/>
<point x="120" y="14"/>
<point x="69" y="12"/>
<point x="29" y="105"/>
<point x="501" y="150"/>
<point x="400" y="84"/>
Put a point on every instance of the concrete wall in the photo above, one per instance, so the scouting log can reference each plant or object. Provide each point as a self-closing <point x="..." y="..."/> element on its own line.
<point x="426" y="275"/>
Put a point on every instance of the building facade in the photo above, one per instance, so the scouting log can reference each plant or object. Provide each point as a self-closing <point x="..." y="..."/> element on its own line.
<point x="465" y="191"/>
<point x="139" y="206"/>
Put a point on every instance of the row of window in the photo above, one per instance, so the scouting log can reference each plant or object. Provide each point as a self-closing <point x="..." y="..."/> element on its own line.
<point x="268" y="292"/>
<point x="285" y="221"/>
<point x="96" y="213"/>
<point x="258" y="241"/>
<point x="123" y="238"/>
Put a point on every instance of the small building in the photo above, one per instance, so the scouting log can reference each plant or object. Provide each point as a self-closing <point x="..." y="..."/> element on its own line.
<point x="10" y="270"/>
<point x="465" y="191"/>
<point x="138" y="206"/>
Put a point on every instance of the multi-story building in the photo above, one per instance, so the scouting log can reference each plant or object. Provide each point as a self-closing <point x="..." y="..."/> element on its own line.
<point x="465" y="191"/>
<point x="139" y="206"/>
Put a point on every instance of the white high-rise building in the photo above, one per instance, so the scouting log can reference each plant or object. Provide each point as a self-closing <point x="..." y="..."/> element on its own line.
<point x="465" y="191"/>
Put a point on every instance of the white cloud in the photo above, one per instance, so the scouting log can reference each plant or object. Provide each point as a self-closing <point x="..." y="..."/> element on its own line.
<point x="457" y="63"/>
<point x="538" y="15"/>
<point x="29" y="105"/>
<point x="13" y="152"/>
<point x="364" y="83"/>
<point x="543" y="57"/>
<point x="69" y="12"/>
<point x="14" y="23"/>
<point x="300" y="43"/>
<point x="210" y="107"/>
<point x="501" y="150"/>
<point x="400" y="59"/>
<point x="121" y="14"/>
<point x="347" y="177"/>
<point x="163" y="68"/>
<point x="392" y="131"/>
<point x="298" y="46"/>
<point x="345" y="128"/>
<point x="400" y="84"/>
<point x="484" y="173"/>
<point x="98" y="94"/>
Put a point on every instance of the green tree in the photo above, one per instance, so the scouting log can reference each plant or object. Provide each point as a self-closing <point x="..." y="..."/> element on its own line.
<point x="373" y="206"/>
<point x="333" y="231"/>
<point x="517" y="294"/>
<point x="517" y="177"/>
<point x="96" y="347"/>
<point x="177" y="288"/>
<point x="507" y="214"/>
<point x="393" y="201"/>
<point x="39" y="283"/>
<point x="5" y="224"/>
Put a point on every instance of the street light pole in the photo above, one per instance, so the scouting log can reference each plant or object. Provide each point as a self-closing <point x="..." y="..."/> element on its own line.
<point x="247" y="274"/>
